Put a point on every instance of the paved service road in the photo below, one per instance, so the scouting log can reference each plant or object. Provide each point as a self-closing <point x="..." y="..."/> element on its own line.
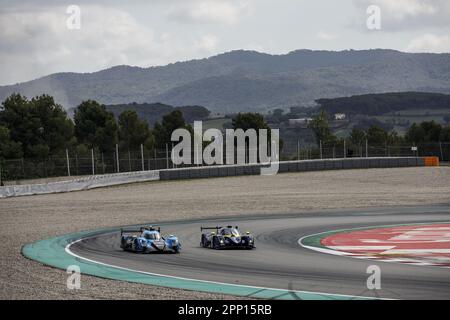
<point x="280" y="262"/>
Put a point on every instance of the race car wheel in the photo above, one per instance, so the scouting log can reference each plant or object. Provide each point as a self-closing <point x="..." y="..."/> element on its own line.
<point x="135" y="245"/>
<point x="215" y="243"/>
<point x="204" y="242"/>
<point x="123" y="243"/>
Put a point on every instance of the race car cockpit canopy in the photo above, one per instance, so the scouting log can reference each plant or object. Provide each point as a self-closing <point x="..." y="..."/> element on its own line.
<point x="230" y="231"/>
<point x="151" y="235"/>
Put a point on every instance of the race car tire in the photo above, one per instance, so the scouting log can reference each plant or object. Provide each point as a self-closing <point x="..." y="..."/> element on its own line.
<point x="135" y="245"/>
<point x="215" y="243"/>
<point x="204" y="242"/>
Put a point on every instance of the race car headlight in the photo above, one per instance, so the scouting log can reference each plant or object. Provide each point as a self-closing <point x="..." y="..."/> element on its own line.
<point x="221" y="240"/>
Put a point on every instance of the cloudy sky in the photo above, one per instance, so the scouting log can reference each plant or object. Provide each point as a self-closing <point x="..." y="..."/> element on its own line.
<point x="35" y="39"/>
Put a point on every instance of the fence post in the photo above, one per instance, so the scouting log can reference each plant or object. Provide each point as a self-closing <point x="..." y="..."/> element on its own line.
<point x="367" y="148"/>
<point x="76" y="162"/>
<point x="103" y="163"/>
<point x="345" y="149"/>
<point x="320" y="145"/>
<point x="167" y="156"/>
<point x="117" y="158"/>
<point x="23" y="168"/>
<point x="173" y="165"/>
<point x="129" y="160"/>
<point x="142" y="157"/>
<point x="92" y="160"/>
<point x="156" y="161"/>
<point x="334" y="151"/>
<point x="442" y="153"/>
<point x="68" y="162"/>
<point x="298" y="149"/>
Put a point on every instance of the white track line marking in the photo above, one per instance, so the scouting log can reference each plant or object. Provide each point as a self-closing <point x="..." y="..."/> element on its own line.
<point x="359" y="248"/>
<point x="67" y="249"/>
<point x="408" y="261"/>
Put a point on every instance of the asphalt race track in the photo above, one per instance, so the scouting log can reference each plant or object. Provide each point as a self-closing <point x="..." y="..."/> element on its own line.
<point x="280" y="262"/>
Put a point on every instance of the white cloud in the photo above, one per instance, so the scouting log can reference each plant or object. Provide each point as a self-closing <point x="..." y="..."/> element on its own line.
<point x="322" y="35"/>
<point x="429" y="43"/>
<point x="208" y="43"/>
<point x="401" y="9"/>
<point x="409" y="14"/>
<point x="210" y="11"/>
<point x="34" y="40"/>
<point x="41" y="39"/>
<point x="38" y="43"/>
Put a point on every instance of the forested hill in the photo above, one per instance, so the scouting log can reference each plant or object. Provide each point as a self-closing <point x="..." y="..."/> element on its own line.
<point x="241" y="81"/>
<point x="378" y="104"/>
<point x="154" y="112"/>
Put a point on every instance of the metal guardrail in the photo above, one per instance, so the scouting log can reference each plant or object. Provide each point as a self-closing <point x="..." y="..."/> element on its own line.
<point x="80" y="184"/>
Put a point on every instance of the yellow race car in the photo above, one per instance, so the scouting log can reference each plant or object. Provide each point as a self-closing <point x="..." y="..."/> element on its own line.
<point x="226" y="238"/>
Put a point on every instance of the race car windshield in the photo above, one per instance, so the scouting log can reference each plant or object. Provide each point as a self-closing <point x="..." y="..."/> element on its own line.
<point x="229" y="231"/>
<point x="152" y="236"/>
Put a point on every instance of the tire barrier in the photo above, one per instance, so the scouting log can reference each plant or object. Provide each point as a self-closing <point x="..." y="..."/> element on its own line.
<point x="213" y="172"/>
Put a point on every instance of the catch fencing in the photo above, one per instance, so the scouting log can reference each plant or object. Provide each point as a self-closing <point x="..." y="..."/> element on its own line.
<point x="97" y="181"/>
<point x="93" y="162"/>
<point x="294" y="151"/>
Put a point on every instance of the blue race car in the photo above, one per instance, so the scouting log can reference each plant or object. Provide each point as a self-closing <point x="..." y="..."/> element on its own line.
<point x="148" y="239"/>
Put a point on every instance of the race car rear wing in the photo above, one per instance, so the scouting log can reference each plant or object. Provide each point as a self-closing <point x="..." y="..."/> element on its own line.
<point x="210" y="228"/>
<point x="139" y="229"/>
<point x="216" y="228"/>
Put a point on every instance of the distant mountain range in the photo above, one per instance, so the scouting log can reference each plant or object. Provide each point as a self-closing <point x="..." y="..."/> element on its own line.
<point x="250" y="81"/>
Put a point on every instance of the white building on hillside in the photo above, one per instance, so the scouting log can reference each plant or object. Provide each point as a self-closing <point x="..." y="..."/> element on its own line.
<point x="339" y="116"/>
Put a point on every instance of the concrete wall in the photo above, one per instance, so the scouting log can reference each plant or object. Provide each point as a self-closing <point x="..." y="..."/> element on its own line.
<point x="290" y="166"/>
<point x="205" y="172"/>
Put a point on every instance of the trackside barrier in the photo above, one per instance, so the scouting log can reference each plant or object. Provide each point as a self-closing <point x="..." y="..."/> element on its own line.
<point x="293" y="166"/>
<point x="85" y="183"/>
<point x="212" y="172"/>
<point x="431" y="161"/>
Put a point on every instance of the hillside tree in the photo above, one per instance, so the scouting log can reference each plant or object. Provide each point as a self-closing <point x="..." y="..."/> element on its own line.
<point x="170" y="122"/>
<point x="321" y="129"/>
<point x="39" y="125"/>
<point x="133" y="131"/>
<point x="95" y="126"/>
